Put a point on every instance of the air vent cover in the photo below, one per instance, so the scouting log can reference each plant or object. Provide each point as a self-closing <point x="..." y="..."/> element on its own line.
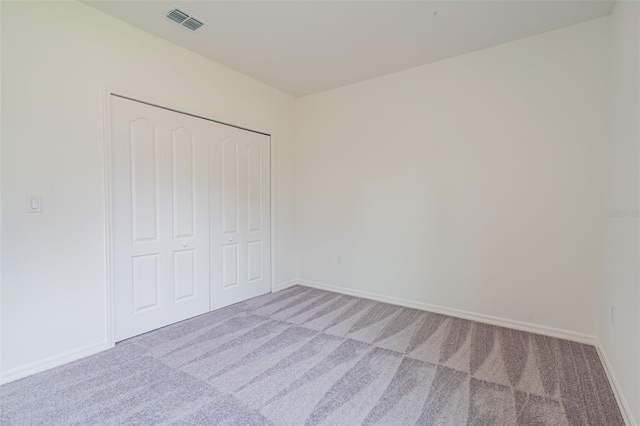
<point x="192" y="23"/>
<point x="177" y="15"/>
<point x="184" y="19"/>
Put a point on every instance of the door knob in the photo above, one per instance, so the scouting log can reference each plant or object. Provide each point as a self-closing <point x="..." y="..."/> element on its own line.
<point x="230" y="239"/>
<point x="184" y="244"/>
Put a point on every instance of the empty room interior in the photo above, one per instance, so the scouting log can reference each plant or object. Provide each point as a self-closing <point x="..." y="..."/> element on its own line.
<point x="320" y="212"/>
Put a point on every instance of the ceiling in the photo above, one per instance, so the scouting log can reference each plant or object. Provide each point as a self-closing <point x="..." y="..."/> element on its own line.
<point x="304" y="47"/>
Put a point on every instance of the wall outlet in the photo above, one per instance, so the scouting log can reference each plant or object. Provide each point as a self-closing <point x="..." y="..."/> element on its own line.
<point x="613" y="315"/>
<point x="338" y="258"/>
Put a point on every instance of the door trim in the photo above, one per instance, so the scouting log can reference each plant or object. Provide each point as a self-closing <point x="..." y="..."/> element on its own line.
<point x="107" y="93"/>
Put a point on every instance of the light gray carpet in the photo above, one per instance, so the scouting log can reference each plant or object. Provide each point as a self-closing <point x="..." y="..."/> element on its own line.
<point x="308" y="357"/>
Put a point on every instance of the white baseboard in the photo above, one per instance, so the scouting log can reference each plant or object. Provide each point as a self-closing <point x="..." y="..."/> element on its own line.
<point x="502" y="322"/>
<point x="283" y="285"/>
<point x="51" y="362"/>
<point x="57" y="360"/>
<point x="487" y="319"/>
<point x="617" y="391"/>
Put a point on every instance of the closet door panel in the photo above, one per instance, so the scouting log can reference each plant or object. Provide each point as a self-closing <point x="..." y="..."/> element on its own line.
<point x="240" y="215"/>
<point x="160" y="216"/>
<point x="189" y="216"/>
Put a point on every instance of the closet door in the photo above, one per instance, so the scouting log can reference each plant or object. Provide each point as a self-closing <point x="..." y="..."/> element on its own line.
<point x="240" y="173"/>
<point x="160" y="215"/>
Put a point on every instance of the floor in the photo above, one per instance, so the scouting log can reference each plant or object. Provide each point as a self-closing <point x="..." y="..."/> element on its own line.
<point x="306" y="356"/>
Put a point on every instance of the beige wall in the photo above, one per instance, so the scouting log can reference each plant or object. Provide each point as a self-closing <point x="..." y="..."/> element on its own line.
<point x="473" y="184"/>
<point x="620" y="285"/>
<point x="53" y="266"/>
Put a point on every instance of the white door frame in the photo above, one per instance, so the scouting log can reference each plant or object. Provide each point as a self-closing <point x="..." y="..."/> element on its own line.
<point x="107" y="93"/>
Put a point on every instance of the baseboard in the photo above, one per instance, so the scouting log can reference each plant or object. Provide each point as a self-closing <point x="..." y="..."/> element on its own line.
<point x="57" y="360"/>
<point x="283" y="285"/>
<point x="488" y="319"/>
<point x="51" y="362"/>
<point x="617" y="391"/>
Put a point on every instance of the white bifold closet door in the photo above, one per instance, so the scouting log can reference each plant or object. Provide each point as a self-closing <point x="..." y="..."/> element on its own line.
<point x="240" y="215"/>
<point x="161" y="217"/>
<point x="191" y="216"/>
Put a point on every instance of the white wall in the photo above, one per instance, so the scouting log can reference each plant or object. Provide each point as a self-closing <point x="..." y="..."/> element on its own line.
<point x="620" y="285"/>
<point x="55" y="57"/>
<point x="474" y="183"/>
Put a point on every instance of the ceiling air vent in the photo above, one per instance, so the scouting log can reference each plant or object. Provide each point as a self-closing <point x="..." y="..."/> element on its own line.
<point x="192" y="23"/>
<point x="184" y="19"/>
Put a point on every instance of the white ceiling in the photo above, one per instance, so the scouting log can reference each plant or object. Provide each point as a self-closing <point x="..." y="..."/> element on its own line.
<point x="304" y="47"/>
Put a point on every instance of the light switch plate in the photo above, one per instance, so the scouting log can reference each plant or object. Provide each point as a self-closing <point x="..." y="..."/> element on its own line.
<point x="34" y="204"/>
